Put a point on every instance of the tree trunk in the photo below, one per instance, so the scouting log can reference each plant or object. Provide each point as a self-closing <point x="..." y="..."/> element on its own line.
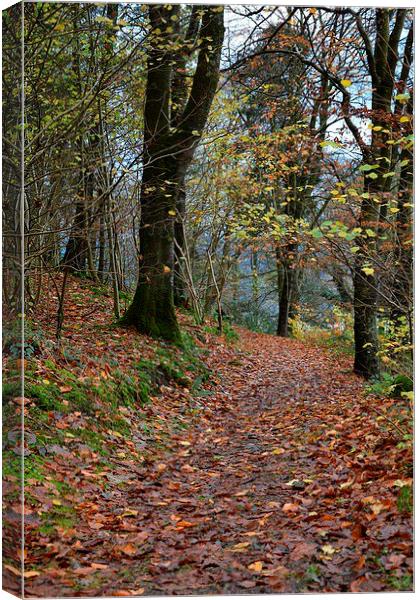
<point x="167" y="155"/>
<point x="382" y="70"/>
<point x="101" y="257"/>
<point x="152" y="310"/>
<point x="180" y="291"/>
<point x="287" y="293"/>
<point x="75" y="256"/>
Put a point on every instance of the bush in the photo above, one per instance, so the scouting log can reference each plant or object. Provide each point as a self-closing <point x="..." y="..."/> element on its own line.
<point x="390" y="386"/>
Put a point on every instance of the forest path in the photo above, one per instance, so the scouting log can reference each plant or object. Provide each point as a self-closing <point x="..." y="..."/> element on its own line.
<point x="284" y="482"/>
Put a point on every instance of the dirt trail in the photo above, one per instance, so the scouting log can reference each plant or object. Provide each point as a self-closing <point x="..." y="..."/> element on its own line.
<point x="284" y="482"/>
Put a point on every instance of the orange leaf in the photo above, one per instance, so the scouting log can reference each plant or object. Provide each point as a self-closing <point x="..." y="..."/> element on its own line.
<point x="256" y="566"/>
<point x="290" y="507"/>
<point x="181" y="524"/>
<point x="129" y="549"/>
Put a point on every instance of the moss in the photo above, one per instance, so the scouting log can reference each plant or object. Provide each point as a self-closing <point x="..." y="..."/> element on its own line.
<point x="172" y="373"/>
<point x="47" y="396"/>
<point x="12" y="465"/>
<point x="11" y="389"/>
<point x="80" y="398"/>
<point x="402" y="584"/>
<point x="152" y="311"/>
<point x="94" y="439"/>
<point x="64" y="517"/>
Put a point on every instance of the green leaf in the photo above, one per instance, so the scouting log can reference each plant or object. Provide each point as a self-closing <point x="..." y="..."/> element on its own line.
<point x="317" y="233"/>
<point x="331" y="144"/>
<point x="368" y="167"/>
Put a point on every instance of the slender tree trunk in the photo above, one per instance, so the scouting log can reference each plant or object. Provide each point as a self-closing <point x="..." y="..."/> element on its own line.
<point x="382" y="69"/>
<point x="75" y="256"/>
<point x="101" y="254"/>
<point x="180" y="292"/>
<point x="286" y="295"/>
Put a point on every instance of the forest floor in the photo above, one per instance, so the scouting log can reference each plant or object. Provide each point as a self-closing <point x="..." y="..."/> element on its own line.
<point x="274" y="473"/>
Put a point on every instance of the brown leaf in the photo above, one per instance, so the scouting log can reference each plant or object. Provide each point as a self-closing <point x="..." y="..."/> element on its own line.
<point x="182" y="524"/>
<point x="290" y="507"/>
<point x="128" y="549"/>
<point x="358" y="532"/>
<point x="98" y="566"/>
<point x="247" y="583"/>
<point x="303" y="550"/>
<point x="13" y="570"/>
<point x="21" y="510"/>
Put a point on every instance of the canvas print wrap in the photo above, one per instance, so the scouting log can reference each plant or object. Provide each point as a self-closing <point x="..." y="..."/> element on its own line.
<point x="207" y="299"/>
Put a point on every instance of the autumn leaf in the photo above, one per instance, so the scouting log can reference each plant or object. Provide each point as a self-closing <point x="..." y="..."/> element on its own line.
<point x="129" y="512"/>
<point x="30" y="574"/>
<point x="128" y="549"/>
<point x="290" y="507"/>
<point x="257" y="566"/>
<point x="241" y="547"/>
<point x="303" y="550"/>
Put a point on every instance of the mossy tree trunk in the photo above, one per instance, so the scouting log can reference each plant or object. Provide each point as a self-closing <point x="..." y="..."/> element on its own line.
<point x="382" y="61"/>
<point x="168" y="152"/>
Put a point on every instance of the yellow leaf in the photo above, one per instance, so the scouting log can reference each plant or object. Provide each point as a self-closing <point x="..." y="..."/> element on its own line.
<point x="328" y="550"/>
<point x="345" y="83"/>
<point x="172" y="213"/>
<point x="166" y="269"/>
<point x="278" y="451"/>
<point x="56" y="502"/>
<point x="241" y="547"/>
<point x="404" y="119"/>
<point x="256" y="566"/>
<point x="130" y="513"/>
<point x="368" y="270"/>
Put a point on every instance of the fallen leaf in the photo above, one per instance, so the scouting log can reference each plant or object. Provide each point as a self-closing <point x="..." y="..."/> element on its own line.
<point x="13" y="570"/>
<point x="303" y="550"/>
<point x="29" y="574"/>
<point x="129" y="512"/>
<point x="328" y="549"/>
<point x="129" y="549"/>
<point x="241" y="547"/>
<point x="290" y="507"/>
<point x="247" y="583"/>
<point x="98" y="566"/>
<point x="256" y="566"/>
